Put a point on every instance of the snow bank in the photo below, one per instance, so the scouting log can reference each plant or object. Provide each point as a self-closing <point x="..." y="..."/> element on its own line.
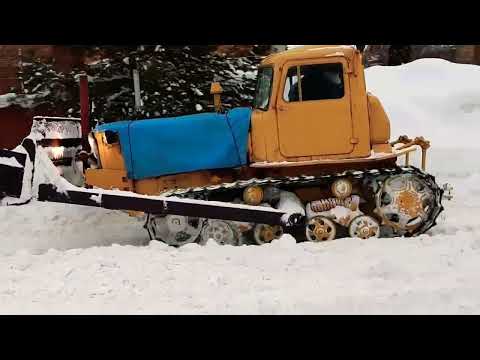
<point x="433" y="275"/>
<point x="41" y="226"/>
<point x="433" y="98"/>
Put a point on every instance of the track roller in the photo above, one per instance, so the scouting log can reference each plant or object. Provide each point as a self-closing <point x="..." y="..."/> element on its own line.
<point x="321" y="229"/>
<point x="222" y="232"/>
<point x="265" y="234"/>
<point x="174" y="230"/>
<point x="364" y="227"/>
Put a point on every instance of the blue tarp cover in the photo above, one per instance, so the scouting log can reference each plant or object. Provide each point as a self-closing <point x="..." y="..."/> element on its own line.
<point x="167" y="146"/>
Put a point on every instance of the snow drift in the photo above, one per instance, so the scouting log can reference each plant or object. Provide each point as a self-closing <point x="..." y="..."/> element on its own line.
<point x="431" y="97"/>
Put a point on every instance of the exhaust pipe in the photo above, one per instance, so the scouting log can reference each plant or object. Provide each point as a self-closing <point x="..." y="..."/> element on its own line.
<point x="84" y="111"/>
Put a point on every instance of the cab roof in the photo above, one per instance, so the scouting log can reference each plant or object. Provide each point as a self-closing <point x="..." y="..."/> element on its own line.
<point x="309" y="52"/>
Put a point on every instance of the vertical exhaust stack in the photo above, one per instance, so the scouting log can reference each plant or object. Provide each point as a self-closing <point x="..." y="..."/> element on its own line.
<point x="84" y="111"/>
<point x="137" y="91"/>
<point x="216" y="90"/>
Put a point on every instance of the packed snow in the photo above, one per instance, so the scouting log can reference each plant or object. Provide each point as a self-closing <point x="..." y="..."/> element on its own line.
<point x="61" y="259"/>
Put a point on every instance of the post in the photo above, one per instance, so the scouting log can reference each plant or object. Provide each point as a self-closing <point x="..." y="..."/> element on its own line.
<point x="136" y="86"/>
<point x="84" y="111"/>
<point x="424" y="159"/>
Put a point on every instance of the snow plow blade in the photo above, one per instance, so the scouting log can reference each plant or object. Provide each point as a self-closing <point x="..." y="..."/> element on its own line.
<point x="170" y="206"/>
<point x="12" y="165"/>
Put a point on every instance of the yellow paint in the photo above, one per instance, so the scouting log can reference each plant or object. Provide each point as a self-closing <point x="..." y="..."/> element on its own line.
<point x="109" y="179"/>
<point x="379" y="123"/>
<point x="216" y="90"/>
<point x="159" y="185"/>
<point x="110" y="155"/>
<point x="312" y="131"/>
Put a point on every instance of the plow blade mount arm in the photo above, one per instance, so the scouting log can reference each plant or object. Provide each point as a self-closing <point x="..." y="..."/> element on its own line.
<point x="170" y="206"/>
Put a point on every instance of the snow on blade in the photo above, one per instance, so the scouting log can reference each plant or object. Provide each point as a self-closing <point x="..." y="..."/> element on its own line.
<point x="10" y="161"/>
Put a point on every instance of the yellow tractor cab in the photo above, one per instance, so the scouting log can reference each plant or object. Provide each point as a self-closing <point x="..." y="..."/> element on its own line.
<point x="312" y="108"/>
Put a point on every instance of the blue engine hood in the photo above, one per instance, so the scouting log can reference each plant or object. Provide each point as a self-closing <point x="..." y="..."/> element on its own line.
<point x="158" y="147"/>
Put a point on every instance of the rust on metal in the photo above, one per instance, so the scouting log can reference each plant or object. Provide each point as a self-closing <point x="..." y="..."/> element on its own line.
<point x="410" y="202"/>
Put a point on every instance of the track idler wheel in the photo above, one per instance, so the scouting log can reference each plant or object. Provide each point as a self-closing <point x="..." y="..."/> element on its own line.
<point x="321" y="229"/>
<point x="364" y="227"/>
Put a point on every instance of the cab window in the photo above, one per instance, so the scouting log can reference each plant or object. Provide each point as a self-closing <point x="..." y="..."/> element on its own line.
<point x="317" y="82"/>
<point x="291" y="92"/>
<point x="264" y="88"/>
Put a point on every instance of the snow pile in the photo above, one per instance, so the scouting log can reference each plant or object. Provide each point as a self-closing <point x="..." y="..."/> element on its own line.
<point x="41" y="226"/>
<point x="433" y="98"/>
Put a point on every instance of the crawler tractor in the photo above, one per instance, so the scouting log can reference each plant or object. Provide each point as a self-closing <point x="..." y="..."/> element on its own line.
<point x="313" y="157"/>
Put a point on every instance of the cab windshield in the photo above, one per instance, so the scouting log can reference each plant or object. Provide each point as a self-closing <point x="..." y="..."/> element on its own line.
<point x="264" y="88"/>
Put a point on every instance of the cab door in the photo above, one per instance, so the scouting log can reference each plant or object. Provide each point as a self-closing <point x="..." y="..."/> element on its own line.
<point x="314" y="109"/>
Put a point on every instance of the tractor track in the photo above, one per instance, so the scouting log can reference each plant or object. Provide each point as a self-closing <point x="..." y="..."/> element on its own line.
<point x="373" y="176"/>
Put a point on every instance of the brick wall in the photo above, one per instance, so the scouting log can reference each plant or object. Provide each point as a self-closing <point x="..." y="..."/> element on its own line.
<point x="7" y="75"/>
<point x="15" y="125"/>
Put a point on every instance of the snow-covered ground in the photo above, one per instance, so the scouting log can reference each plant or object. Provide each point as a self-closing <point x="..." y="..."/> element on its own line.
<point x="73" y="260"/>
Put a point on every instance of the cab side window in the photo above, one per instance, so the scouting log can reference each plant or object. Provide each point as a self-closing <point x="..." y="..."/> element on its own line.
<point x="291" y="93"/>
<point x="317" y="82"/>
